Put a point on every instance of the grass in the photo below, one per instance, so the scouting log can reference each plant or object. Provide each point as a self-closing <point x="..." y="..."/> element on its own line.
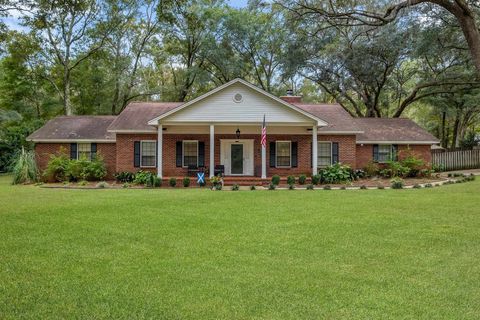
<point x="196" y="254"/>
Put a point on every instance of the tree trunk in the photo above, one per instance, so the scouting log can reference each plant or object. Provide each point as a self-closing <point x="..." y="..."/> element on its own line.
<point x="67" y="106"/>
<point x="444" y="134"/>
<point x="466" y="19"/>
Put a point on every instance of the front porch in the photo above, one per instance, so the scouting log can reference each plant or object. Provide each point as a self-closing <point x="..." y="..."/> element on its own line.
<point x="237" y="150"/>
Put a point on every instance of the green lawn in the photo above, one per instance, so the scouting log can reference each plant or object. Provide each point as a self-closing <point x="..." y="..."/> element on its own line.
<point x="196" y="254"/>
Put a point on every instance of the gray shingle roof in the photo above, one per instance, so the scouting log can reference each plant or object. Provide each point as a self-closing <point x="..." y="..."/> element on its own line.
<point x="136" y="115"/>
<point x="392" y="130"/>
<point x="75" y="128"/>
<point x="337" y="118"/>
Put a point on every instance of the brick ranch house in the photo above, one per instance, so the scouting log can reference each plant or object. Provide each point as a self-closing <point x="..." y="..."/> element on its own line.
<point x="223" y="127"/>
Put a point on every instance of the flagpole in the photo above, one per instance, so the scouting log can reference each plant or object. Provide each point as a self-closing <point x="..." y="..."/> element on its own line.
<point x="264" y="154"/>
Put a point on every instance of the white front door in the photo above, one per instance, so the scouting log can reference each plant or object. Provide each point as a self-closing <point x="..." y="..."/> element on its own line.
<point x="237" y="157"/>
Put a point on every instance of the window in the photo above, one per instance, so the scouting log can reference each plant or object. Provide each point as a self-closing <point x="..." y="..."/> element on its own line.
<point x="324" y="155"/>
<point x="385" y="152"/>
<point x="190" y="153"/>
<point x="284" y="153"/>
<point x="148" y="152"/>
<point x="84" y="151"/>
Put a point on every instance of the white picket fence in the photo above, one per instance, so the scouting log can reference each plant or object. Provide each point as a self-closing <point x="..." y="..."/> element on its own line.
<point x="457" y="160"/>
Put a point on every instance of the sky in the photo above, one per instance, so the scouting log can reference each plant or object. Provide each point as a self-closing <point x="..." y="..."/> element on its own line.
<point x="238" y="3"/>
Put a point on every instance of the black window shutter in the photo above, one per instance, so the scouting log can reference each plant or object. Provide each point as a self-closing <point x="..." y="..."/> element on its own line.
<point x="294" y="154"/>
<point x="335" y="153"/>
<point x="136" y="154"/>
<point x="272" y="154"/>
<point x="375" y="152"/>
<point x="178" y="152"/>
<point x="395" y="152"/>
<point x="93" y="151"/>
<point x="73" y="151"/>
<point x="201" y="153"/>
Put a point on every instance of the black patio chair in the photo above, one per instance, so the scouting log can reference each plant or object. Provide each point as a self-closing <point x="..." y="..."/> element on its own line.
<point x="192" y="170"/>
<point x="219" y="170"/>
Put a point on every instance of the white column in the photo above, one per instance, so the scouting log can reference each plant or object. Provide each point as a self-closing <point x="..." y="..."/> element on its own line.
<point x="264" y="161"/>
<point x="212" y="150"/>
<point x="314" y="149"/>
<point x="159" y="151"/>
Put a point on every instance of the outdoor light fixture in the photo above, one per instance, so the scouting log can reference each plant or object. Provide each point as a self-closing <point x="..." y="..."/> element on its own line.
<point x="238" y="133"/>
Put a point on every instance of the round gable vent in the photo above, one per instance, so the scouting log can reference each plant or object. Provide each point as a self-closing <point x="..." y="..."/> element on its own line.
<point x="237" y="97"/>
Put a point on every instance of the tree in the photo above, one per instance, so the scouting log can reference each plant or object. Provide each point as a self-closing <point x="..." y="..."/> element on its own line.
<point x="63" y="30"/>
<point x="363" y="13"/>
<point x="186" y="27"/>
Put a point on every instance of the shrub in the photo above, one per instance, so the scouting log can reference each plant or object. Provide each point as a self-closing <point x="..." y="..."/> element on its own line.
<point x="186" y="182"/>
<point x="363" y="187"/>
<point x="153" y="181"/>
<point x="272" y="186"/>
<point x="172" y="182"/>
<point x="276" y="180"/>
<point x="126" y="185"/>
<point x="56" y="167"/>
<point x="76" y="170"/>
<point x="336" y="173"/>
<point x="252" y="187"/>
<point x="380" y="187"/>
<point x="327" y="188"/>
<point x="217" y="187"/>
<point x="372" y="169"/>
<point x="95" y="170"/>
<point x="125" y="176"/>
<point x="417" y="186"/>
<point x="102" y="185"/>
<point x="358" y="174"/>
<point x="235" y="187"/>
<point x="291" y="186"/>
<point x="83" y="183"/>
<point x="310" y="187"/>
<point x="290" y="180"/>
<point x="386" y="173"/>
<point x="302" y="179"/>
<point x="425" y="173"/>
<point x="142" y="177"/>
<point x="397" y="183"/>
<point x="25" y="168"/>
<point x="216" y="180"/>
<point x="438" y="168"/>
<point x="428" y="185"/>
<point x="413" y="163"/>
<point x="315" y="179"/>
<point x="396" y="169"/>
<point x="83" y="169"/>
<point x="343" y="188"/>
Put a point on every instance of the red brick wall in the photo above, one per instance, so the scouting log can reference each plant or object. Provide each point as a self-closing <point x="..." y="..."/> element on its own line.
<point x="44" y="150"/>
<point x="125" y="144"/>
<point x="365" y="153"/>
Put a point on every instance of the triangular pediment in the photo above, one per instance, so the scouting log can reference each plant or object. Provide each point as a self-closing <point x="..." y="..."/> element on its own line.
<point x="238" y="102"/>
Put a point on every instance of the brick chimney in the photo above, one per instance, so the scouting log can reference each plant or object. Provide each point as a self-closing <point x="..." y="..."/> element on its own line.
<point x="290" y="98"/>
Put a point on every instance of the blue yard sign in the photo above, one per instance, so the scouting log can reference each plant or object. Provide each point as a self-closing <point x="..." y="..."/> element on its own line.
<point x="201" y="178"/>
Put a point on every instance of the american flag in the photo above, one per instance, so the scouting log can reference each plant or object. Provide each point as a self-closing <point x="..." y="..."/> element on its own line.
<point x="264" y="133"/>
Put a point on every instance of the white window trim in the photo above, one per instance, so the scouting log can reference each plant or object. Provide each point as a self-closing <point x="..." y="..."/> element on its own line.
<point x="391" y="152"/>
<point x="141" y="153"/>
<point x="276" y="153"/>
<point x="331" y="152"/>
<point x="183" y="152"/>
<point x="78" y="150"/>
